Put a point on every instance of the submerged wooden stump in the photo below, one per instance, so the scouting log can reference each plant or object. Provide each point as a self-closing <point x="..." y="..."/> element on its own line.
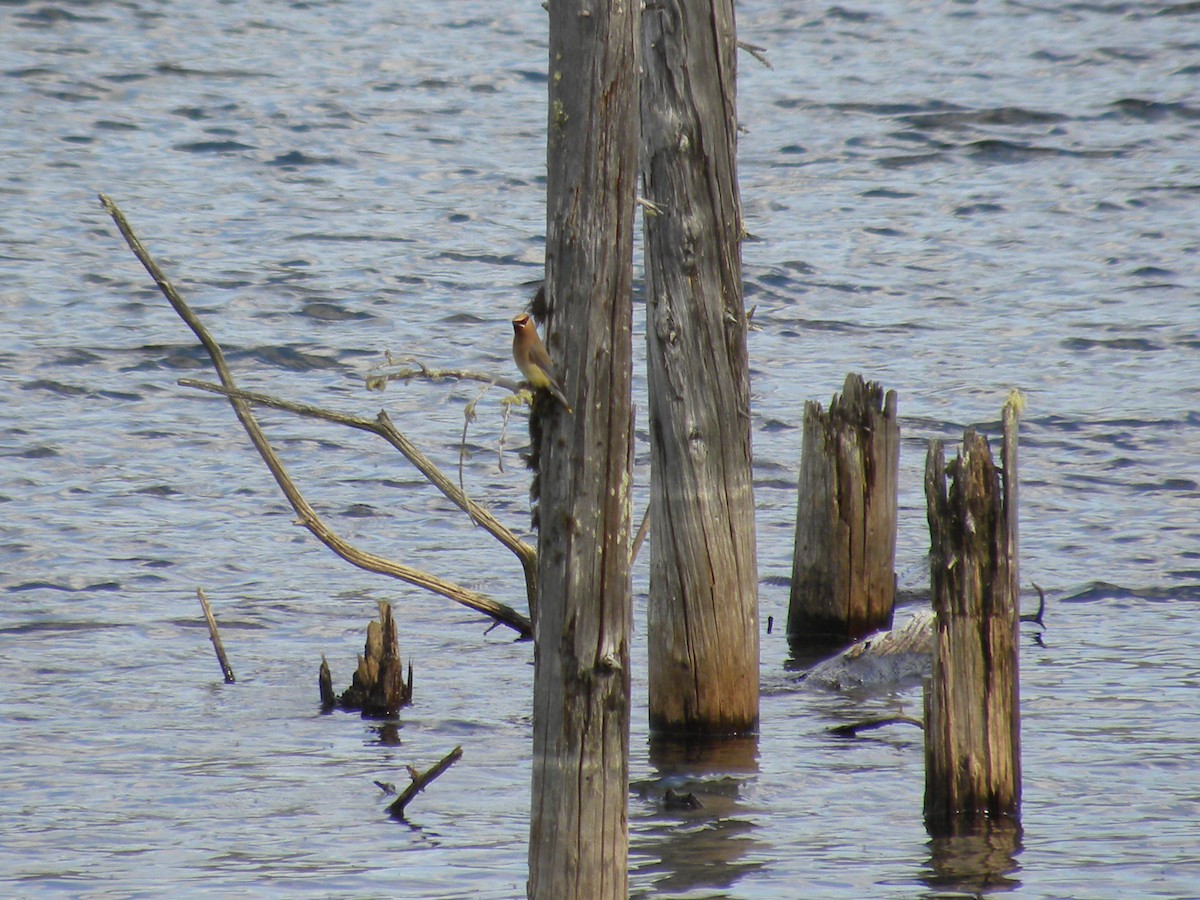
<point x="972" y="733"/>
<point x="378" y="688"/>
<point x="843" y="569"/>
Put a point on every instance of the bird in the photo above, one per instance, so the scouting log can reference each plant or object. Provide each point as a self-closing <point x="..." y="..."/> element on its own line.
<point x="532" y="359"/>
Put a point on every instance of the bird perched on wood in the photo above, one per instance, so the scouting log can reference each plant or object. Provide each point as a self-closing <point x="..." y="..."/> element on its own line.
<point x="532" y="359"/>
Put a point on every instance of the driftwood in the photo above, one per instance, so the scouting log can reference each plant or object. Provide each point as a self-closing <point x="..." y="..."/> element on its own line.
<point x="972" y="713"/>
<point x="879" y="661"/>
<point x="420" y="781"/>
<point x="215" y="637"/>
<point x="843" y="579"/>
<point x="853" y="729"/>
<point x="378" y="688"/>
<point x="307" y="515"/>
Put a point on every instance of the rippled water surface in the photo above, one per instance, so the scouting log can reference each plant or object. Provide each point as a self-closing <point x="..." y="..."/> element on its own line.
<point x="953" y="199"/>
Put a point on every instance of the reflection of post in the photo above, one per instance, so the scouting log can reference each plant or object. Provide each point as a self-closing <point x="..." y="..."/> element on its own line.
<point x="972" y="742"/>
<point x="701" y="839"/>
<point x="843" y="579"/>
<point x="977" y="862"/>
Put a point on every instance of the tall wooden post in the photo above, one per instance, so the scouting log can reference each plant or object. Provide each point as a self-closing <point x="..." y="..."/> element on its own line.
<point x="703" y="606"/>
<point x="972" y="714"/>
<point x="843" y="568"/>
<point x="578" y="846"/>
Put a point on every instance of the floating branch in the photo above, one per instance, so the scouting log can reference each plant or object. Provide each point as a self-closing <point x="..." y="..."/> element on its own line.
<point x="421" y="780"/>
<point x="215" y="637"/>
<point x="852" y="729"/>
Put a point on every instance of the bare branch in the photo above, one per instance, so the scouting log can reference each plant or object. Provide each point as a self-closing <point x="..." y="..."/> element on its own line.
<point x="759" y="53"/>
<point x="382" y="425"/>
<point x="851" y="729"/>
<point x="412" y="369"/>
<point x="215" y="637"/>
<point x="421" y="780"/>
<point x="307" y="515"/>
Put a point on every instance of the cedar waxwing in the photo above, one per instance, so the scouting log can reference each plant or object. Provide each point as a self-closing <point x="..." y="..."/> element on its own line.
<point x="533" y="360"/>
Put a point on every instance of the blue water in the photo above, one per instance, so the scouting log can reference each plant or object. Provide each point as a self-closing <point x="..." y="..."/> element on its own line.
<point x="954" y="199"/>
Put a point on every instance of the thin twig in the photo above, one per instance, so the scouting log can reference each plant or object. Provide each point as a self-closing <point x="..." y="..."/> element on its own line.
<point x="1037" y="617"/>
<point x="468" y="418"/>
<point x="640" y="536"/>
<point x="383" y="426"/>
<point x="421" y="780"/>
<point x="759" y="53"/>
<point x="308" y="516"/>
<point x="415" y="369"/>
<point x="215" y="637"/>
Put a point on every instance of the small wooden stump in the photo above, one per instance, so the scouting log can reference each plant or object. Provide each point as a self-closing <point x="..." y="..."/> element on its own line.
<point x="843" y="570"/>
<point x="972" y="733"/>
<point x="379" y="688"/>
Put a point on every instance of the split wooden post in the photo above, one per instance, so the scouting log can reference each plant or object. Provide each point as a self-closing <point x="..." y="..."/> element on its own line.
<point x="579" y="831"/>
<point x="843" y="567"/>
<point x="972" y="715"/>
<point x="703" y="641"/>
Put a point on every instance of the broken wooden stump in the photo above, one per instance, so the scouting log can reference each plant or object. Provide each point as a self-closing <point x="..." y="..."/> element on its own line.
<point x="843" y="568"/>
<point x="378" y="688"/>
<point x="972" y="733"/>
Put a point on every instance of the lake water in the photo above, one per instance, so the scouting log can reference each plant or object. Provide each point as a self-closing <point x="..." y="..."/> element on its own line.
<point x="951" y="198"/>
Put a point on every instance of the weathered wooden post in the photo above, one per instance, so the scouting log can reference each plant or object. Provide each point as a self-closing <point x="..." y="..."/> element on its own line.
<point x="972" y="715"/>
<point x="703" y="606"/>
<point x="578" y="842"/>
<point x="843" y="567"/>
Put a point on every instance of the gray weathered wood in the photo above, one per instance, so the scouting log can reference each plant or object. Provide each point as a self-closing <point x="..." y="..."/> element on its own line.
<point x="973" y="742"/>
<point x="703" y="605"/>
<point x="843" y="568"/>
<point x="578" y="845"/>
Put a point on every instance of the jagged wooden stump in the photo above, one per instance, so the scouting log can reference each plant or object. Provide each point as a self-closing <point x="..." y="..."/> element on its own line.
<point x="379" y="688"/>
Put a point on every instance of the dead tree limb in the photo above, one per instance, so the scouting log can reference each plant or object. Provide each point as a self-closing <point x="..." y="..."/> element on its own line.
<point x="215" y="637"/>
<point x="307" y="515"/>
<point x="411" y="369"/>
<point x="852" y="729"/>
<point x="420" y="781"/>
<point x="383" y="426"/>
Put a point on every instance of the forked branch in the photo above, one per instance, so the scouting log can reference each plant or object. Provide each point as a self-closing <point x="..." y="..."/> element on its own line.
<point x="307" y="515"/>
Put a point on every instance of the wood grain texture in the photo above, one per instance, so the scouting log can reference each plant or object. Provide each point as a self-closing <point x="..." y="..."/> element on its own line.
<point x="843" y="567"/>
<point x="972" y="748"/>
<point x="578" y="844"/>
<point x="703" y="606"/>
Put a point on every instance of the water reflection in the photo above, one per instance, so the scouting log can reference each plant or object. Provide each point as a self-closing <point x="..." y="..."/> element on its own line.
<point x="695" y="832"/>
<point x="979" y="861"/>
